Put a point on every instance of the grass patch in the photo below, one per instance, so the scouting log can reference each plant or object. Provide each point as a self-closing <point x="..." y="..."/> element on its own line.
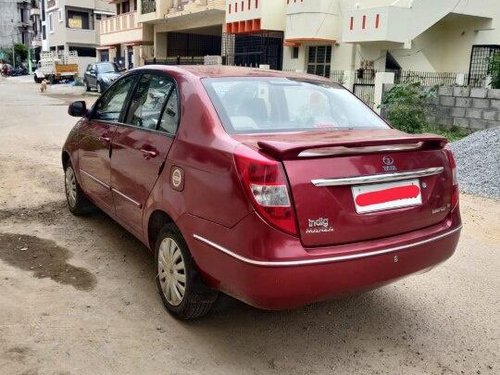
<point x="452" y="134"/>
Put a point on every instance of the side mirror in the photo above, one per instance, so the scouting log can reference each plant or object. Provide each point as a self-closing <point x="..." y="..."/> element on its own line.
<point x="77" y="109"/>
<point x="92" y="72"/>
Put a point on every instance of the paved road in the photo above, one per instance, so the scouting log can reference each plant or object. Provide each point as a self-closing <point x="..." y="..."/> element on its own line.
<point x="77" y="296"/>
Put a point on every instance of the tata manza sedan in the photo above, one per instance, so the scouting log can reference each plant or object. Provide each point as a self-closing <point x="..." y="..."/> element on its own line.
<point x="278" y="189"/>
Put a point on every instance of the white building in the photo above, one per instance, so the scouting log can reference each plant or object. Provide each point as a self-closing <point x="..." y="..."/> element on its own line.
<point x="123" y="38"/>
<point x="322" y="36"/>
<point x="70" y="25"/>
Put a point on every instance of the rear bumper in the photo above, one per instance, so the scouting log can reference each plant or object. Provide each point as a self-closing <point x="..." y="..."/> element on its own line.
<point x="283" y="284"/>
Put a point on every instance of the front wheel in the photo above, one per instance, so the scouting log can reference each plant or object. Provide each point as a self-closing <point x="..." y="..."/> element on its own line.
<point x="99" y="88"/>
<point x="78" y="204"/>
<point x="179" y="283"/>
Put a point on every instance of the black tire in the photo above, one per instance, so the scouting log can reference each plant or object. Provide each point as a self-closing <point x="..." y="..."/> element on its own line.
<point x="198" y="298"/>
<point x="52" y="79"/>
<point x="37" y="80"/>
<point x="99" y="88"/>
<point x="87" y="87"/>
<point x="78" y="204"/>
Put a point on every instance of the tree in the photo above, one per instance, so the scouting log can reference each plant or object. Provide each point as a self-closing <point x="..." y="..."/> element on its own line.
<point x="21" y="52"/>
<point x="407" y="105"/>
<point x="494" y="71"/>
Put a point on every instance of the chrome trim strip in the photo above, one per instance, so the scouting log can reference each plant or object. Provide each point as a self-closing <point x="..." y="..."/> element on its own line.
<point x="334" y="259"/>
<point x="126" y="197"/>
<point x="95" y="179"/>
<point x="385" y="177"/>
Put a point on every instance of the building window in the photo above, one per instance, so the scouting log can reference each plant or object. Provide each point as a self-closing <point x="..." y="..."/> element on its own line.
<point x="51" y="24"/>
<point x="480" y="63"/>
<point x="319" y="60"/>
<point x="295" y="52"/>
<point x="60" y="15"/>
<point x="148" y="6"/>
<point x="78" y="20"/>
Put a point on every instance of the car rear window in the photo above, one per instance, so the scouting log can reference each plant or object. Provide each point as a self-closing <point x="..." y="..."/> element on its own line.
<point x="253" y="105"/>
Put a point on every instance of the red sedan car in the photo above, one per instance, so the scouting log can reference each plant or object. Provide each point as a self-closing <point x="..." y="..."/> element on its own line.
<point x="278" y="189"/>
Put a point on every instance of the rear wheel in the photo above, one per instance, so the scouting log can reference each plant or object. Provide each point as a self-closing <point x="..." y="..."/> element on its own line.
<point x="78" y="204"/>
<point x="179" y="283"/>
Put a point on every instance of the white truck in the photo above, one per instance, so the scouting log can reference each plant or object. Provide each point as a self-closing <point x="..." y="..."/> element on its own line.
<point x="55" y="66"/>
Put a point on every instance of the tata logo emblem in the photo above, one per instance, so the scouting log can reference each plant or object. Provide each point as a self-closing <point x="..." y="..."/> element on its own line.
<point x="388" y="164"/>
<point x="388" y="160"/>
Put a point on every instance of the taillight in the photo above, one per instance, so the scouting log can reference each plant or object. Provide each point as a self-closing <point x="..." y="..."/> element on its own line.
<point x="453" y="166"/>
<point x="266" y="185"/>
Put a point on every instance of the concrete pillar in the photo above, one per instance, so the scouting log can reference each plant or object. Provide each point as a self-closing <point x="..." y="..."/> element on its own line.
<point x="161" y="45"/>
<point x="136" y="56"/>
<point x="460" y="81"/>
<point x="349" y="78"/>
<point x="125" y="50"/>
<point x="112" y="54"/>
<point x="381" y="79"/>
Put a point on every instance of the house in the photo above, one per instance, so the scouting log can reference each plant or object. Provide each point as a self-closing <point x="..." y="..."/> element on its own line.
<point x="184" y="31"/>
<point x="123" y="39"/>
<point x="325" y="36"/>
<point x="15" y="24"/>
<point x="70" y="25"/>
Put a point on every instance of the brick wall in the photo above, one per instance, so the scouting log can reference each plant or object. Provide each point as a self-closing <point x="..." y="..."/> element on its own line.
<point x="471" y="108"/>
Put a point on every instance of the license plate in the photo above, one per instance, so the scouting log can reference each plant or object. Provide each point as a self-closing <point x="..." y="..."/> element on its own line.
<point x="386" y="196"/>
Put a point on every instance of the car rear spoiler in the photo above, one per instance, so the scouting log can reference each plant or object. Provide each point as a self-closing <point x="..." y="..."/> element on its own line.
<point x="293" y="150"/>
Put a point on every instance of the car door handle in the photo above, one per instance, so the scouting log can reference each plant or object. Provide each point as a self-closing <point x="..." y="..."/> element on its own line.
<point x="148" y="154"/>
<point x="105" y="139"/>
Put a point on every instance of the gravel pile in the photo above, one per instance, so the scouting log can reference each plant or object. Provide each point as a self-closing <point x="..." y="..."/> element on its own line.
<point x="478" y="163"/>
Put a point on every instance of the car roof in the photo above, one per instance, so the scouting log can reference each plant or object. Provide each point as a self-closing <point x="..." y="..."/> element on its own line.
<point x="221" y="71"/>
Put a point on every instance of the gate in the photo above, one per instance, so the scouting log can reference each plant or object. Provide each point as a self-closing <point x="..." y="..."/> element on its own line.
<point x="364" y="86"/>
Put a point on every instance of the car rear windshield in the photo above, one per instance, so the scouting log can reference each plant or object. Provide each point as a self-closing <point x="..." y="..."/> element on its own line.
<point x="253" y="105"/>
<point x="106" y="68"/>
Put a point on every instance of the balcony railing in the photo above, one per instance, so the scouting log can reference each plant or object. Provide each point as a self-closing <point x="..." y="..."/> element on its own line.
<point x="148" y="6"/>
<point x="122" y="22"/>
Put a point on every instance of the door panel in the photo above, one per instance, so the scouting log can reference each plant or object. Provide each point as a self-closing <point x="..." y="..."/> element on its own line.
<point x="140" y="147"/>
<point x="95" y="161"/>
<point x="137" y="158"/>
<point x="95" y="143"/>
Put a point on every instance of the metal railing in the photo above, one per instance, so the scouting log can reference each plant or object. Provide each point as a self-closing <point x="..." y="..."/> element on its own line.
<point x="337" y="76"/>
<point x="179" y="60"/>
<point x="426" y="78"/>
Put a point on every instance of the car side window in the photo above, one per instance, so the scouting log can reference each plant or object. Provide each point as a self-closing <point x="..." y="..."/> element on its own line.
<point x="148" y="101"/>
<point x="170" y="118"/>
<point x="110" y="106"/>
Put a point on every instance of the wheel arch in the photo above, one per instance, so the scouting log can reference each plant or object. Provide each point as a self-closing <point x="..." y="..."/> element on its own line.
<point x="157" y="220"/>
<point x="65" y="159"/>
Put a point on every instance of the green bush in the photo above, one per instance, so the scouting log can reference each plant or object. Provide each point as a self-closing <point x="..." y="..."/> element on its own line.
<point x="406" y="106"/>
<point x="494" y="70"/>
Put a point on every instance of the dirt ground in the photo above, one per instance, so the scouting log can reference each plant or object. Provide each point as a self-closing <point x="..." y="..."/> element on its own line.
<point x="77" y="296"/>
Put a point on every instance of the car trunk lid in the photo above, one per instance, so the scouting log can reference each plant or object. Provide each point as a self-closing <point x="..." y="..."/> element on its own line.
<point x="357" y="185"/>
